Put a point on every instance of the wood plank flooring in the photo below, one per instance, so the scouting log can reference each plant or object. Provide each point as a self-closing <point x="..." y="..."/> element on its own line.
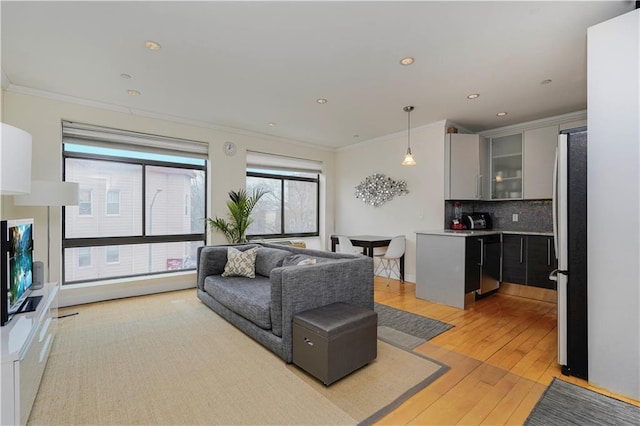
<point x="502" y="355"/>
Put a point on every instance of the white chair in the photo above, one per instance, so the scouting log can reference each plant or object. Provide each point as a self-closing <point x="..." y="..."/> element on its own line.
<point x="391" y="258"/>
<point x="345" y="246"/>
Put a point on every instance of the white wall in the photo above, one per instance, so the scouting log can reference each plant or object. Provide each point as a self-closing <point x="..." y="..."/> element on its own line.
<point x="613" y="200"/>
<point x="421" y="209"/>
<point x="41" y="116"/>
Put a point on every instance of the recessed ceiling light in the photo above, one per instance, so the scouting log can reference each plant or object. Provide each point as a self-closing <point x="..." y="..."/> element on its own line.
<point x="321" y="101"/>
<point x="152" y="45"/>
<point x="473" y="96"/>
<point x="501" y="114"/>
<point x="407" y="61"/>
<point x="547" y="81"/>
<point x="271" y="124"/>
<point x="125" y="76"/>
<point x="133" y="92"/>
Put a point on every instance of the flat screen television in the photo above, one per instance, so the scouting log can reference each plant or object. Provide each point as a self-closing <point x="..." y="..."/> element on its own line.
<point x="16" y="265"/>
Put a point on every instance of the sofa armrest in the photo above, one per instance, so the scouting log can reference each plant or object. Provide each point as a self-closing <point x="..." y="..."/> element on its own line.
<point x="211" y="261"/>
<point x="311" y="286"/>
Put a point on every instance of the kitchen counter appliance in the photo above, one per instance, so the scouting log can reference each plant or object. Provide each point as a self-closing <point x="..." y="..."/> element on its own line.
<point x="483" y="263"/>
<point x="477" y="221"/>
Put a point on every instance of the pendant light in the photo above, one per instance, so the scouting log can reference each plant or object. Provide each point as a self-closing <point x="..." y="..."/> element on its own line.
<point x="408" y="158"/>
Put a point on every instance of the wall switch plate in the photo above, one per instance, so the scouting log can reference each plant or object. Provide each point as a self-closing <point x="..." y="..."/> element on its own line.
<point x="514" y="217"/>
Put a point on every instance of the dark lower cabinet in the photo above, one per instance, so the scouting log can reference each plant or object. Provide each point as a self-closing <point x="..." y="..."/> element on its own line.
<point x="514" y="266"/>
<point x="528" y="260"/>
<point x="541" y="260"/>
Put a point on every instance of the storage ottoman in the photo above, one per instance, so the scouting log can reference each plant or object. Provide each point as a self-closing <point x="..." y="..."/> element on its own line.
<point x="332" y="341"/>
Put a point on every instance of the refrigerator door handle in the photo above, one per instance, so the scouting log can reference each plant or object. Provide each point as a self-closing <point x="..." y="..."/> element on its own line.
<point x="553" y="276"/>
<point x="554" y="202"/>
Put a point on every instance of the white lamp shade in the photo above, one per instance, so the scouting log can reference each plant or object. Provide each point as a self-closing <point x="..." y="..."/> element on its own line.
<point x="15" y="161"/>
<point x="49" y="193"/>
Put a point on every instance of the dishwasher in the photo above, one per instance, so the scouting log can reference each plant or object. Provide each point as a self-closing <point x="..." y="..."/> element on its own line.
<point x="483" y="263"/>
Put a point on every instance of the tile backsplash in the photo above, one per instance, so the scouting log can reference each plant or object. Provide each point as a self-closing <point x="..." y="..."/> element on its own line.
<point x="533" y="215"/>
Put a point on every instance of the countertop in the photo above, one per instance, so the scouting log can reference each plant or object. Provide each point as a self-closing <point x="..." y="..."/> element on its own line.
<point x="468" y="233"/>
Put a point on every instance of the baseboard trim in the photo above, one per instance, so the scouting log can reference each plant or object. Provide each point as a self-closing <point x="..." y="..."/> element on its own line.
<point x="537" y="293"/>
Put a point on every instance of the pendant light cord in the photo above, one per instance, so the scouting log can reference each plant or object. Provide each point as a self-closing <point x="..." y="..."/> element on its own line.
<point x="408" y="109"/>
<point x="409" y="129"/>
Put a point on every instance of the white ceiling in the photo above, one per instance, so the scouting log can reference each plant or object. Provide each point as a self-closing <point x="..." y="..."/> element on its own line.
<point x="244" y="64"/>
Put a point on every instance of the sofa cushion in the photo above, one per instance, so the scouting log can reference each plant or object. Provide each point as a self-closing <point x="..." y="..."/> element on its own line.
<point x="240" y="264"/>
<point x="250" y="298"/>
<point x="304" y="259"/>
<point x="269" y="258"/>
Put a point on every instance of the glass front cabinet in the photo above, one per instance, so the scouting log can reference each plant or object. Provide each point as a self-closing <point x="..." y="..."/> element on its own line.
<point x="506" y="167"/>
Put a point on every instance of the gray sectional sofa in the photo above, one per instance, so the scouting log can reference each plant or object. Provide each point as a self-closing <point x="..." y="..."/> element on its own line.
<point x="263" y="307"/>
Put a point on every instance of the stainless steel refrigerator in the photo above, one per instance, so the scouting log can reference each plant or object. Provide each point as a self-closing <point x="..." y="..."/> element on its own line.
<point x="570" y="232"/>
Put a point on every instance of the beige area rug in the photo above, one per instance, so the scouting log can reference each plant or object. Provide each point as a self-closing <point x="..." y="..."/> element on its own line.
<point x="168" y="359"/>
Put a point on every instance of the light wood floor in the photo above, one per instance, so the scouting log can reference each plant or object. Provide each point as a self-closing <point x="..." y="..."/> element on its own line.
<point x="501" y="354"/>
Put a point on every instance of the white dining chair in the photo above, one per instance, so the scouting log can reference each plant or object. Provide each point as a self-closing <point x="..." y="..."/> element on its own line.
<point x="345" y="246"/>
<point x="390" y="260"/>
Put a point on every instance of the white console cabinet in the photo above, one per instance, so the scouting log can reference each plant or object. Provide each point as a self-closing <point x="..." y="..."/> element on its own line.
<point x="26" y="342"/>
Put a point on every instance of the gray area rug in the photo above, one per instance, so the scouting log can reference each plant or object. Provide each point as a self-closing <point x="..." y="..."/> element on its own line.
<point x="567" y="404"/>
<point x="404" y="329"/>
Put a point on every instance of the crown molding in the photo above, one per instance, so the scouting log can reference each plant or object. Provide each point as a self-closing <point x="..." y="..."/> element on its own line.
<point x="543" y="122"/>
<point x="158" y="116"/>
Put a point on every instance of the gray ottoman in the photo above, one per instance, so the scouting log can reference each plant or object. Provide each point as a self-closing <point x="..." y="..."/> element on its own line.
<point x="332" y="341"/>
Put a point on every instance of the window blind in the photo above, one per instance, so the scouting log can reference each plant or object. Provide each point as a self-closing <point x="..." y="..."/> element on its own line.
<point x="87" y="134"/>
<point x="261" y="160"/>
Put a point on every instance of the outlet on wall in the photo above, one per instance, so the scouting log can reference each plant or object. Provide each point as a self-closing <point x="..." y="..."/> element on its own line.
<point x="514" y="217"/>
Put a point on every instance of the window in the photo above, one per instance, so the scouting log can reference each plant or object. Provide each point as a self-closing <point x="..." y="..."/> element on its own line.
<point x="291" y="207"/>
<point x="84" y="257"/>
<point x="113" y="202"/>
<point x="112" y="254"/>
<point x="133" y="181"/>
<point x="85" y="205"/>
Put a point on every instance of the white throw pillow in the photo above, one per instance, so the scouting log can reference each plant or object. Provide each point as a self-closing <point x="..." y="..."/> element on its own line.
<point x="240" y="263"/>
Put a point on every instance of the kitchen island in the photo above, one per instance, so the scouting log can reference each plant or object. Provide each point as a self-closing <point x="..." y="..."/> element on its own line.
<point x="455" y="265"/>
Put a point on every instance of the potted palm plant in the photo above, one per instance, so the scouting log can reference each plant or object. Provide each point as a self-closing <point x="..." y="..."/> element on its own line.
<point x="240" y="206"/>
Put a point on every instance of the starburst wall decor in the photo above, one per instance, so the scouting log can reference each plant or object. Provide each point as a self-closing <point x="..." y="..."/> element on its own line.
<point x="377" y="189"/>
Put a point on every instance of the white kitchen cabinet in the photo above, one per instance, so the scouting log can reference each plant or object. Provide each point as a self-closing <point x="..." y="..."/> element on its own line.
<point x="466" y="165"/>
<point x="506" y="167"/>
<point x="539" y="151"/>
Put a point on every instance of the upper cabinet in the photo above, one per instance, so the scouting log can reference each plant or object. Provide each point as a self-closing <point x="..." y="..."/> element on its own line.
<point x="466" y="167"/>
<point x="512" y="163"/>
<point x="506" y="167"/>
<point x="522" y="164"/>
<point x="539" y="158"/>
